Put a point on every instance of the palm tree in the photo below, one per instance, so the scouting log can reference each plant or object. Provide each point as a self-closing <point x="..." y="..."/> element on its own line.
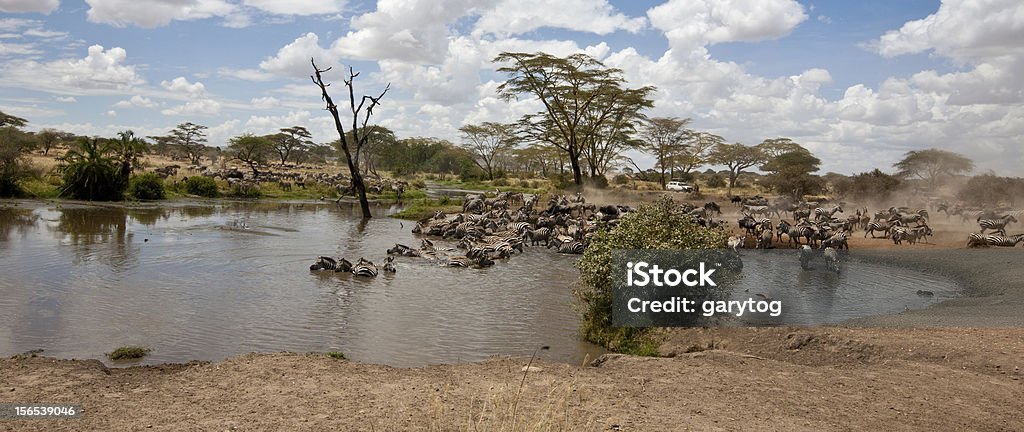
<point x="89" y="173"/>
<point x="126" y="150"/>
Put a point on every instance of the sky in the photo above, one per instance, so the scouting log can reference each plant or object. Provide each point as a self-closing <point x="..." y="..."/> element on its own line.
<point x="859" y="83"/>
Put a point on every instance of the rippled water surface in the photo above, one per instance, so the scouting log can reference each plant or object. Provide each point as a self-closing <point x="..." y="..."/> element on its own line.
<point x="211" y="281"/>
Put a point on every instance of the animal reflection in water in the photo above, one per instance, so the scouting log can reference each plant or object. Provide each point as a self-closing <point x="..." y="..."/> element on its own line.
<point x="830" y="255"/>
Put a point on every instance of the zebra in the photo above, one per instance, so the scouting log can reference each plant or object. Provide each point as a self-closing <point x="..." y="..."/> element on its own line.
<point x="571" y="247"/>
<point x="389" y="264"/>
<point x="825" y="214"/>
<point x="998" y="224"/>
<point x="330" y="264"/>
<point x="364" y="268"/>
<point x="831" y="259"/>
<point x="519" y="227"/>
<point x="463" y="261"/>
<point x="976" y="239"/>
<point x="539" y="235"/>
<point x="878" y="226"/>
<point x="838" y="240"/>
<point x="764" y="240"/>
<point x="755" y="210"/>
<point x="401" y="249"/>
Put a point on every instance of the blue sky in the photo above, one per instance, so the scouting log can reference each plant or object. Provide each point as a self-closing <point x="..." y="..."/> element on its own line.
<point x="859" y="83"/>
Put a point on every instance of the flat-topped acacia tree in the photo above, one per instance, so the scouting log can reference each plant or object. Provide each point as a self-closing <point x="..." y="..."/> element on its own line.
<point x="359" y="132"/>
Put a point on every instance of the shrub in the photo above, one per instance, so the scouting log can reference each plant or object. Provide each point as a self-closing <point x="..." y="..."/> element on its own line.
<point x="659" y="225"/>
<point x="621" y="179"/>
<point x="501" y="181"/>
<point x="245" y="190"/>
<point x="147" y="186"/>
<point x="562" y="181"/>
<point x="337" y="355"/>
<point x="128" y="353"/>
<point x="715" y="180"/>
<point x="202" y="186"/>
<point x="90" y="174"/>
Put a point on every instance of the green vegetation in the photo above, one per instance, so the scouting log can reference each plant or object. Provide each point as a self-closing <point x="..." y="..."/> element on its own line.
<point x="660" y="225"/>
<point x="424" y="208"/>
<point x="202" y="186"/>
<point x="14" y="143"/>
<point x="128" y="352"/>
<point x="337" y="355"/>
<point x="90" y="173"/>
<point x="146" y="186"/>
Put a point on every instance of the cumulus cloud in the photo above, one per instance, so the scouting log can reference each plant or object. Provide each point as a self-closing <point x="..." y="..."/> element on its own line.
<point x="265" y="102"/>
<point x="40" y="6"/>
<point x="100" y="71"/>
<point x="293" y="59"/>
<point x="136" y="101"/>
<point x="510" y="17"/>
<point x="154" y="13"/>
<point x="195" y="107"/>
<point x="298" y="7"/>
<point x="690" y="24"/>
<point x="182" y="85"/>
<point x="961" y="29"/>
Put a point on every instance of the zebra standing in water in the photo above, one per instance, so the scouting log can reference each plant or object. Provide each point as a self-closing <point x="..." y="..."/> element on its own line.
<point x="364" y="268"/>
<point x="975" y="239"/>
<point x="998" y="224"/>
<point x="330" y="264"/>
<point x="831" y="259"/>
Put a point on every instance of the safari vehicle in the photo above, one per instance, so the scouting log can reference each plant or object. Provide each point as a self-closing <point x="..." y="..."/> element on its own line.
<point x="678" y="186"/>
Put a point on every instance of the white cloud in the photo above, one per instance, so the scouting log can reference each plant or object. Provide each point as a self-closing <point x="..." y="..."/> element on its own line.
<point x="66" y="99"/>
<point x="136" y="101"/>
<point x="246" y="74"/>
<point x="265" y="102"/>
<point x="298" y="7"/>
<point x="111" y="113"/>
<point x="40" y="6"/>
<point x="690" y="24"/>
<point x="293" y="59"/>
<point x="182" y="85"/>
<point x="101" y="71"/>
<point x="407" y="30"/>
<point x="521" y="16"/>
<point x="154" y="13"/>
<point x="961" y="29"/>
<point x="196" y="107"/>
<point x="17" y="49"/>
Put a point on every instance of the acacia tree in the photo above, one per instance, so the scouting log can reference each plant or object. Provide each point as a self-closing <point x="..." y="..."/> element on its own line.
<point x="292" y="139"/>
<point x="696" y="151"/>
<point x="359" y="134"/>
<point x="377" y="139"/>
<point x="189" y="137"/>
<point x="665" y="137"/>
<point x="251" y="150"/>
<point x="487" y="141"/>
<point x="48" y="138"/>
<point x="737" y="157"/>
<point x="10" y="120"/>
<point x="932" y="164"/>
<point x="580" y="97"/>
<point x="790" y="172"/>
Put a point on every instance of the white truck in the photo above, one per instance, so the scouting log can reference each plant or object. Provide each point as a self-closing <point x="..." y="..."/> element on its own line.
<point x="678" y="186"/>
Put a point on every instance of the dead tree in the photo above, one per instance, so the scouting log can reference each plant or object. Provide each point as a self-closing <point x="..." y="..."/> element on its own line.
<point x="359" y="132"/>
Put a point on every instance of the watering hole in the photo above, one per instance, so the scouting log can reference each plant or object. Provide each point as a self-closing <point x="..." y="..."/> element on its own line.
<point x="209" y="281"/>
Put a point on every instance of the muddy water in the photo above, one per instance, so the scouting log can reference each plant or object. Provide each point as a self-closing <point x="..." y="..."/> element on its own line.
<point x="211" y="281"/>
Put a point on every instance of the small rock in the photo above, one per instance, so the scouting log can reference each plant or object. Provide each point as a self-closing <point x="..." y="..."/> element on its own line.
<point x="532" y="369"/>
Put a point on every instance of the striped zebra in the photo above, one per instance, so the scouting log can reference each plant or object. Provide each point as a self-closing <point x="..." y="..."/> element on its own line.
<point x="464" y="261"/>
<point x="879" y="226"/>
<point x="998" y="224"/>
<point x="571" y="247"/>
<point x="826" y="214"/>
<point x="831" y="259"/>
<point x="839" y="240"/>
<point x="364" y="268"/>
<point x="539" y="235"/>
<point x="911" y="235"/>
<point x="519" y="227"/>
<point x="976" y="239"/>
<point x="389" y="265"/>
<point x="330" y="264"/>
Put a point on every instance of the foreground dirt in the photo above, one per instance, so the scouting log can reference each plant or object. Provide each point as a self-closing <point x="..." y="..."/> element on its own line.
<point x="724" y="379"/>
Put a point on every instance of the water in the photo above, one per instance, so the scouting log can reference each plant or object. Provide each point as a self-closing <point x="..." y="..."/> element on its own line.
<point x="207" y="282"/>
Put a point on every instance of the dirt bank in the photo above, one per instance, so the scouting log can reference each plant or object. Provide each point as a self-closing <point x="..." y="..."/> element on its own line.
<point x="908" y="374"/>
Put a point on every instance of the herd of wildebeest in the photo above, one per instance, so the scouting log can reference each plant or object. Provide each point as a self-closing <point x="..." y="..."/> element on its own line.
<point x="493" y="226"/>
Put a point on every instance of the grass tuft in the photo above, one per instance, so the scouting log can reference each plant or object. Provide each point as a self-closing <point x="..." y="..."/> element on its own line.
<point x="128" y="352"/>
<point x="337" y="355"/>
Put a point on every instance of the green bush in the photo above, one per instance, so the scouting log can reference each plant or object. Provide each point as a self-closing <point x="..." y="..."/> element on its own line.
<point x="202" y="186"/>
<point x="245" y="190"/>
<point x="715" y="180"/>
<point x="147" y="186"/>
<point x="659" y="225"/>
<point x="500" y="181"/>
<point x="128" y="353"/>
<point x="90" y="173"/>
<point x="621" y="179"/>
